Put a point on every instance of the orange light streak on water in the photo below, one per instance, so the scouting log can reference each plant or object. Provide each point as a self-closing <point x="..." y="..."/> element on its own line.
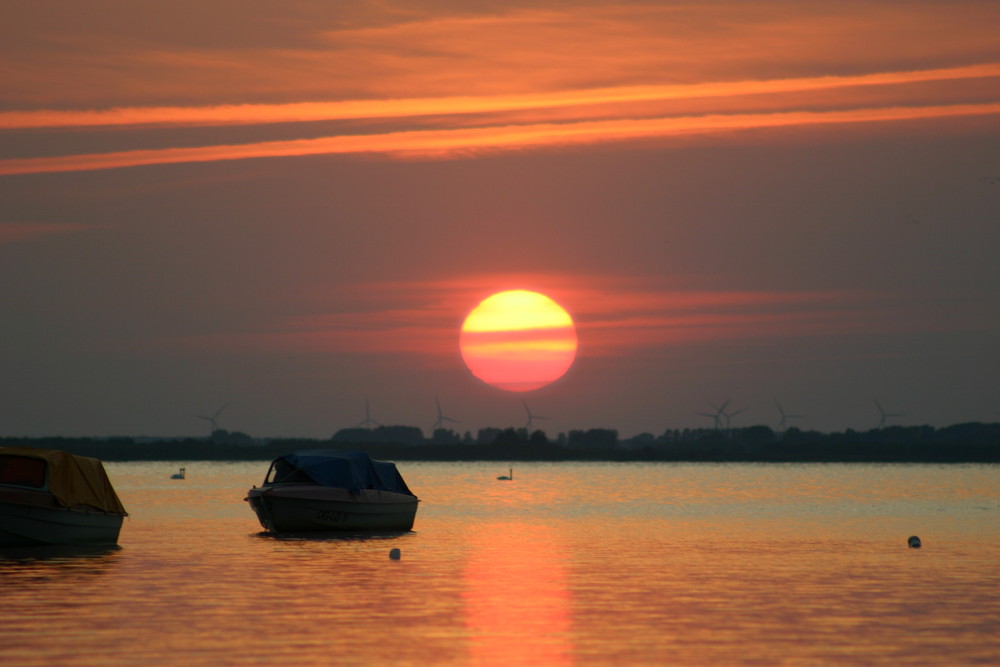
<point x="569" y="563"/>
<point x="517" y="604"/>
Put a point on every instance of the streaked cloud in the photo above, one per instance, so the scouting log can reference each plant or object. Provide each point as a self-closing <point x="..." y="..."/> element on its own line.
<point x="255" y="114"/>
<point x="614" y="316"/>
<point x="464" y="141"/>
<point x="796" y="180"/>
<point x="419" y="82"/>
<point x="144" y="56"/>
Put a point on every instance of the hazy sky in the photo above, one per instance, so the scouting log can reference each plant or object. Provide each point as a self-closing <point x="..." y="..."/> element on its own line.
<point x="289" y="208"/>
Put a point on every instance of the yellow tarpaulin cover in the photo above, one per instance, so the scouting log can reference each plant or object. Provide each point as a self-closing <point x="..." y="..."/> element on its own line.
<point x="74" y="480"/>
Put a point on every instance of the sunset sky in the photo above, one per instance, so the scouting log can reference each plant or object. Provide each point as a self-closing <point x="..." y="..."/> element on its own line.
<point x="289" y="208"/>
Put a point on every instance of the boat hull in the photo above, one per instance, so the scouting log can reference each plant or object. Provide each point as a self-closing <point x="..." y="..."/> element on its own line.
<point x="310" y="508"/>
<point x="28" y="525"/>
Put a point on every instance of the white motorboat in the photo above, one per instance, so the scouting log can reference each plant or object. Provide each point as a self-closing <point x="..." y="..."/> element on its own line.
<point x="51" y="497"/>
<point x="332" y="490"/>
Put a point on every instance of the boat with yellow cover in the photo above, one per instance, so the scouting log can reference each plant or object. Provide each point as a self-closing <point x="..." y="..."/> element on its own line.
<point x="52" y="497"/>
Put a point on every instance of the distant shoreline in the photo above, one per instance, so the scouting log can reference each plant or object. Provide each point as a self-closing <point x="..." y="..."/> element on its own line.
<point x="978" y="443"/>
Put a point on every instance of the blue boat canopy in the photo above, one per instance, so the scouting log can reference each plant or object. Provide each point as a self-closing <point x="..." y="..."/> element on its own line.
<point x="337" y="468"/>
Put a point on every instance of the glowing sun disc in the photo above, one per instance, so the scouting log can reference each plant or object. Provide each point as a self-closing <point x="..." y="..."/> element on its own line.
<point x="518" y="340"/>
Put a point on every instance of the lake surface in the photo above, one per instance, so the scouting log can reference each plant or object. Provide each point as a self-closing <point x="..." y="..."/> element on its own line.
<point x="568" y="564"/>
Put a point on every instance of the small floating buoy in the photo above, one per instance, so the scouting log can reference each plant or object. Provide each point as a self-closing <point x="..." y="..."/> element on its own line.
<point x="914" y="542"/>
<point x="394" y="554"/>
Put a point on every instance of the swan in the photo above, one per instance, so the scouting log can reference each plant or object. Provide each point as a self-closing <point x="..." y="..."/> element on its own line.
<point x="507" y="478"/>
<point x="178" y="475"/>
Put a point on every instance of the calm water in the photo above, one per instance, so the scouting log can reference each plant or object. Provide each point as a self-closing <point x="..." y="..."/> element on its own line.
<point x="568" y="564"/>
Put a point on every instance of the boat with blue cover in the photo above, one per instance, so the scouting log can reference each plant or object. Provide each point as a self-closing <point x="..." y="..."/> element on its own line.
<point x="332" y="490"/>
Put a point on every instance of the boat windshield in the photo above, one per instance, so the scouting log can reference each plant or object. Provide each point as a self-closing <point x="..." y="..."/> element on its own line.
<point x="283" y="472"/>
<point x="22" y="471"/>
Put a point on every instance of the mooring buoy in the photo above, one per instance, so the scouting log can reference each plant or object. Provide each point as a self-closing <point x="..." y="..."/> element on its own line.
<point x="914" y="542"/>
<point x="394" y="554"/>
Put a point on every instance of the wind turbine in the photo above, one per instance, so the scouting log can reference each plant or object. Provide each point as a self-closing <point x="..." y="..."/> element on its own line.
<point x="784" y="416"/>
<point x="531" y="417"/>
<point x="368" y="421"/>
<point x="212" y="419"/>
<point x="441" y="418"/>
<point x="730" y="415"/>
<point x="717" y="415"/>
<point x="883" y="414"/>
<point x="713" y="416"/>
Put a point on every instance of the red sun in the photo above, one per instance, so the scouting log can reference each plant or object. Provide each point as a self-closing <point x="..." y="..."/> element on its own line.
<point x="518" y="340"/>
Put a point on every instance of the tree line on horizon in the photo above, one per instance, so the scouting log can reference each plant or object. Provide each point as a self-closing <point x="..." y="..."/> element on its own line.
<point x="974" y="441"/>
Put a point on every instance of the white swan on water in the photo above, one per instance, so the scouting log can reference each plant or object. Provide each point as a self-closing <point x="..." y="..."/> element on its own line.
<point x="505" y="477"/>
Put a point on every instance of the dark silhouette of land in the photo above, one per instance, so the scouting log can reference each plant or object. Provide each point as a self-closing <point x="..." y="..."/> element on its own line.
<point x="962" y="443"/>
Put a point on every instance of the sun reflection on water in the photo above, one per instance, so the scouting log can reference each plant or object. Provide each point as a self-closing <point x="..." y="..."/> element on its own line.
<point x="517" y="602"/>
<point x="589" y="564"/>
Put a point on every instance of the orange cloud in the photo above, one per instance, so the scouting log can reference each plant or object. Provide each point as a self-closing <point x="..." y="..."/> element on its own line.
<point x="596" y="45"/>
<point x="420" y="82"/>
<point x="450" y="143"/>
<point x="627" y="334"/>
<point x="613" y="317"/>
<point x="256" y="114"/>
<point x="309" y="51"/>
<point x="520" y="360"/>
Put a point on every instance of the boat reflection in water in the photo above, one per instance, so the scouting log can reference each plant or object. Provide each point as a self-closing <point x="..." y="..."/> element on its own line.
<point x="517" y="601"/>
<point x="51" y="497"/>
<point x="332" y="490"/>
